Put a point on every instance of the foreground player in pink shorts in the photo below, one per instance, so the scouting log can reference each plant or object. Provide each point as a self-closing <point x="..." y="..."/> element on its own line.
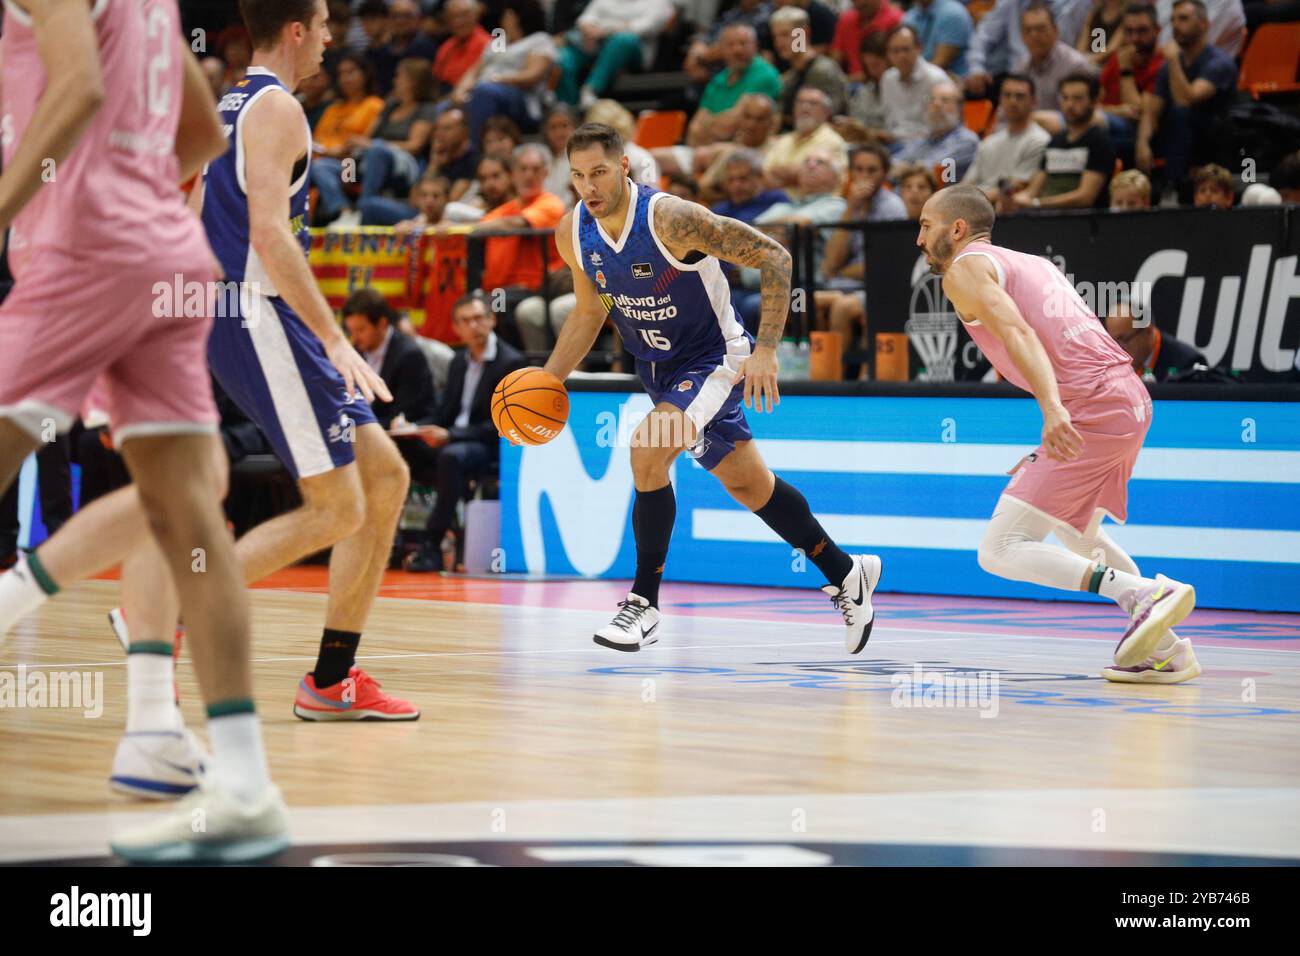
<point x="1039" y="334"/>
<point x="106" y="110"/>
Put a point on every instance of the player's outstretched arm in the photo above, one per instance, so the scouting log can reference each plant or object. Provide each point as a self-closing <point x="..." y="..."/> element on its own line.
<point x="588" y="316"/>
<point x="74" y="92"/>
<point x="687" y="227"/>
<point x="273" y="140"/>
<point x="199" y="138"/>
<point x="972" y="286"/>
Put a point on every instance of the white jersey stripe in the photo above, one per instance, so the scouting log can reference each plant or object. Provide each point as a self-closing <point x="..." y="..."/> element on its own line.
<point x="713" y="393"/>
<point x="239" y="138"/>
<point x="284" y="382"/>
<point x="663" y="250"/>
<point x="715" y="285"/>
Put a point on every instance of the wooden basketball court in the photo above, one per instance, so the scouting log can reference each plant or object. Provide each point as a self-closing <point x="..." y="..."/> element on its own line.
<point x="968" y="731"/>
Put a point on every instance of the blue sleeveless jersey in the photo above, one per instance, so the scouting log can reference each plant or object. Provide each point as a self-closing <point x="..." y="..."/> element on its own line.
<point x="266" y="358"/>
<point x="225" y="203"/>
<point x="670" y="313"/>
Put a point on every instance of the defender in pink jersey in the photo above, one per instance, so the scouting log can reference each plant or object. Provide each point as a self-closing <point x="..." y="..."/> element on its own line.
<point x="1039" y="334"/>
<point x="105" y="112"/>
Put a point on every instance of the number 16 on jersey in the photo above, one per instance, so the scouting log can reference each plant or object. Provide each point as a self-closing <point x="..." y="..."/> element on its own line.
<point x="656" y="339"/>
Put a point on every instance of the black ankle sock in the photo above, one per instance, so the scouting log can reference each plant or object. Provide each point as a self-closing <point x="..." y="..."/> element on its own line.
<point x="787" y="513"/>
<point x="653" y="514"/>
<point x="338" y="652"/>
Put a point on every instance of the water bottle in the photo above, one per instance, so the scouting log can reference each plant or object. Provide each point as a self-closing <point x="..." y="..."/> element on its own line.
<point x="803" y="361"/>
<point x="787" y="356"/>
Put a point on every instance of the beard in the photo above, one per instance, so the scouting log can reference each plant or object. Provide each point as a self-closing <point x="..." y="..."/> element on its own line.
<point x="938" y="257"/>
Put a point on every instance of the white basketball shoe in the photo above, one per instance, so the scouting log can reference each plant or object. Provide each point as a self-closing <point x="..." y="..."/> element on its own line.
<point x="853" y="599"/>
<point x="1173" y="666"/>
<point x="1157" y="609"/>
<point x="635" y="625"/>
<point x="210" y="826"/>
<point x="157" y="765"/>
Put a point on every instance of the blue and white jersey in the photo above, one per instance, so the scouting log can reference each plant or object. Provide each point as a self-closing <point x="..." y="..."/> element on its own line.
<point x="266" y="358"/>
<point x="225" y="200"/>
<point x="669" y="312"/>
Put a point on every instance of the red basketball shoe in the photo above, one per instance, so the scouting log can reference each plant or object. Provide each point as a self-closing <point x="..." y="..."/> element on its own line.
<point x="356" y="697"/>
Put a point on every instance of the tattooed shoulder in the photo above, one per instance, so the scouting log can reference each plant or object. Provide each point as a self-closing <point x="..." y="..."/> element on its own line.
<point x="687" y="227"/>
<point x="682" y="224"/>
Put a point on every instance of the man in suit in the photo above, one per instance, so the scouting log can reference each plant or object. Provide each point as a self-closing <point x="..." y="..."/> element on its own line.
<point x="1156" y="355"/>
<point x="459" y="442"/>
<point x="372" y="326"/>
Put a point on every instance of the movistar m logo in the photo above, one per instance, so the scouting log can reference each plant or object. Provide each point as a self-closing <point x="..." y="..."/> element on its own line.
<point x="590" y="513"/>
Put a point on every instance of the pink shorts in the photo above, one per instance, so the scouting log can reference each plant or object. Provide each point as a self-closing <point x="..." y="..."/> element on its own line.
<point x="67" y="322"/>
<point x="1113" y="421"/>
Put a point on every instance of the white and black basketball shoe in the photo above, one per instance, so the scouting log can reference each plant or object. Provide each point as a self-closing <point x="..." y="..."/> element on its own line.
<point x="853" y="599"/>
<point x="635" y="625"/>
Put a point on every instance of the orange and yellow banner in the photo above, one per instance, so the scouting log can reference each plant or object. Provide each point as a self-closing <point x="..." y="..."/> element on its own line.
<point x="422" y="275"/>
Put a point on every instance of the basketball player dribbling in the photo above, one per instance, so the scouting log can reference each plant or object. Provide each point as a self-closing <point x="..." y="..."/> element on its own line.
<point x="105" y="111"/>
<point x="650" y="262"/>
<point x="1039" y="334"/>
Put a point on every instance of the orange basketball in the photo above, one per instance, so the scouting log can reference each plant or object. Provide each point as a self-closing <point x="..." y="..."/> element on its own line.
<point x="530" y="406"/>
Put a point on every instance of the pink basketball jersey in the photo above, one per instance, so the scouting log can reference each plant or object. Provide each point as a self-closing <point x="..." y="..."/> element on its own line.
<point x="116" y="198"/>
<point x="1076" y="342"/>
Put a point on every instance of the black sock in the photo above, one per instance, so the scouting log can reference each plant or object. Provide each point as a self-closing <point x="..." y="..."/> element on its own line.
<point x="653" y="514"/>
<point x="338" y="652"/>
<point x="787" y="513"/>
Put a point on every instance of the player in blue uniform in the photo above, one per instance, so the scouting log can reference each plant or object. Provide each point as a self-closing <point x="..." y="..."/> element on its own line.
<point x="285" y="361"/>
<point x="650" y="262"/>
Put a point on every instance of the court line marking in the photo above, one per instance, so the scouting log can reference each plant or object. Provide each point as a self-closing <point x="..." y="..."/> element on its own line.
<point x="955" y="636"/>
<point x="926" y="636"/>
<point x="1047" y="819"/>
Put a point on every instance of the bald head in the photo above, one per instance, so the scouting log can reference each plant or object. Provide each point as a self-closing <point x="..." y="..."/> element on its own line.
<point x="950" y="219"/>
<point x="963" y="202"/>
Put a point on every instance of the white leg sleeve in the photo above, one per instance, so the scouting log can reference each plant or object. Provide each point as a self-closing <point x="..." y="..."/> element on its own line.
<point x="1099" y="547"/>
<point x="1013" y="548"/>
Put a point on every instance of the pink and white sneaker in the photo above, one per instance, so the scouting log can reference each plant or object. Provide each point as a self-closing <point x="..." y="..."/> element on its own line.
<point x="1178" y="664"/>
<point x="1157" y="609"/>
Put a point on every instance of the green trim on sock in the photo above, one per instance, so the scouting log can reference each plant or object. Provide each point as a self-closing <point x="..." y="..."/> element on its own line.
<point x="41" y="576"/>
<point x="1094" y="584"/>
<point x="229" y="708"/>
<point x="150" y="647"/>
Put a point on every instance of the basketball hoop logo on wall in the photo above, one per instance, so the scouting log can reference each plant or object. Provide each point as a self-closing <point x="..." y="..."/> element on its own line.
<point x="932" y="326"/>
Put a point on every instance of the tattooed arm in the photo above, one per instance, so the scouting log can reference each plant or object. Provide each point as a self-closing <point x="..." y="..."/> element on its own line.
<point x="686" y="227"/>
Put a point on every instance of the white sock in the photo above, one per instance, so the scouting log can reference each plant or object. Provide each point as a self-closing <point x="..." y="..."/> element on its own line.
<point x="20" y="595"/>
<point x="238" y="758"/>
<point x="150" y="690"/>
<point x="1122" y="587"/>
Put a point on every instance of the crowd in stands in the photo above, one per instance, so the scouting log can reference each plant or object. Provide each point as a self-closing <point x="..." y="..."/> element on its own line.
<point x="449" y="117"/>
<point x="425" y="89"/>
<point x="445" y="117"/>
